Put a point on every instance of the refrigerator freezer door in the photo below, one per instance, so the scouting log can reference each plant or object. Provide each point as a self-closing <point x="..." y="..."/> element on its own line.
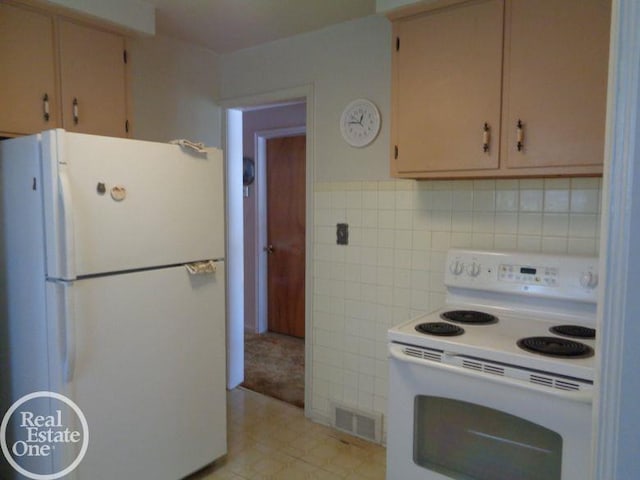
<point x="150" y="372"/>
<point x="115" y="204"/>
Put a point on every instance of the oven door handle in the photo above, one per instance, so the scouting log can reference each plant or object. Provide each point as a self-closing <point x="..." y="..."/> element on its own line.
<point x="574" y="396"/>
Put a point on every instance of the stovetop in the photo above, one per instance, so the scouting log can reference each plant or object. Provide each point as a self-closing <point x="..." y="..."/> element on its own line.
<point x="498" y="341"/>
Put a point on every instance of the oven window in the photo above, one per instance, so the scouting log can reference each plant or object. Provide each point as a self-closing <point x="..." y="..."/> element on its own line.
<point x="470" y="442"/>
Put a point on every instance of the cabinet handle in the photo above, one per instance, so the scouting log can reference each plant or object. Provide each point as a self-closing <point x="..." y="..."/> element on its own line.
<point x="75" y="111"/>
<point x="486" y="137"/>
<point x="45" y="107"/>
<point x="520" y="135"/>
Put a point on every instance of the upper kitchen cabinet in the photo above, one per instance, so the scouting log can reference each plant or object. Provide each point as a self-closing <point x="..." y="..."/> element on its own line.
<point x="447" y="69"/>
<point x="28" y="95"/>
<point x="93" y="80"/>
<point x="58" y="72"/>
<point x="499" y="88"/>
<point x="555" y="85"/>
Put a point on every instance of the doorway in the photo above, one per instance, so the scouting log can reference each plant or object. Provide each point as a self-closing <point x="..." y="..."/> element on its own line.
<point x="274" y="343"/>
<point x="235" y="248"/>
<point x="239" y="112"/>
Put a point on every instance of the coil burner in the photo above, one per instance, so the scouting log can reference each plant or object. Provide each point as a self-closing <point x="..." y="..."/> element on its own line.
<point x="442" y="329"/>
<point x="469" y="317"/>
<point x="555" y="347"/>
<point x="574" y="331"/>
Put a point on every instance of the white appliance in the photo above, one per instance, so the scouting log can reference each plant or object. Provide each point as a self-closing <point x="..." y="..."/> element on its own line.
<point x="98" y="304"/>
<point x="470" y="399"/>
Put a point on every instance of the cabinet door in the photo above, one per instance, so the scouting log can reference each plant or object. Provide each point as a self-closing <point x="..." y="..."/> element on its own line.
<point x="555" y="84"/>
<point x="28" y="71"/>
<point x="446" y="85"/>
<point x="93" y="76"/>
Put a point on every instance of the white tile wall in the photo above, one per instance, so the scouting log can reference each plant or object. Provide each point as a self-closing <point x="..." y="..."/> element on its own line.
<point x="392" y="269"/>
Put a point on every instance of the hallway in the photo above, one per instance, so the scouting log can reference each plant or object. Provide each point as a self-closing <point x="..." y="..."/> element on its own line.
<point x="274" y="366"/>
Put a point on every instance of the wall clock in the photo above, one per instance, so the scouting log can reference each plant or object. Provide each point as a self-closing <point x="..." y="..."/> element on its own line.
<point x="360" y="122"/>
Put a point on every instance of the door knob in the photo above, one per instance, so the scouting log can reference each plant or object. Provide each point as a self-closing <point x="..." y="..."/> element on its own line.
<point x="268" y="249"/>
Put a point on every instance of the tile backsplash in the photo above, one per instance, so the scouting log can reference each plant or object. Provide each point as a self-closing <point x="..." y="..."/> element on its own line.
<point x="392" y="268"/>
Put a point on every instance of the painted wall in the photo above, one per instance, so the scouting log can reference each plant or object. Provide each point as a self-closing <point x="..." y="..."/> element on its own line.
<point x="173" y="87"/>
<point x="255" y="121"/>
<point x="399" y="230"/>
<point x="344" y="62"/>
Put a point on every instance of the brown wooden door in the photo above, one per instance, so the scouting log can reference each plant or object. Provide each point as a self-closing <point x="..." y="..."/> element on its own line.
<point x="286" y="182"/>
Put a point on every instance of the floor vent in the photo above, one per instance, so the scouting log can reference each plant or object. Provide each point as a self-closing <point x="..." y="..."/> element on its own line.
<point x="367" y="425"/>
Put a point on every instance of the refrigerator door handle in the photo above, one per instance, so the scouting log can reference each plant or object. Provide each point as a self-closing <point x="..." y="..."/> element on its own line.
<point x="69" y="355"/>
<point x="67" y="227"/>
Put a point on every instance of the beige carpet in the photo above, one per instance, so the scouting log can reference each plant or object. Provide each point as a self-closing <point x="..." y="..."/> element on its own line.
<point x="274" y="366"/>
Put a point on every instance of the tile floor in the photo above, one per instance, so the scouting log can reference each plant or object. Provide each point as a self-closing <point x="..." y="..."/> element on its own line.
<point x="272" y="440"/>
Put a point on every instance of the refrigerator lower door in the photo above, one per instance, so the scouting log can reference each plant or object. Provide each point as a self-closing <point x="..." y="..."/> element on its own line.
<point x="148" y="372"/>
<point x="114" y="204"/>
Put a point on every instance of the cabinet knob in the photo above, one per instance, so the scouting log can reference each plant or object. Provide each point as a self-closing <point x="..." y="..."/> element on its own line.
<point x="486" y="137"/>
<point x="76" y="118"/>
<point x="45" y="107"/>
<point x="520" y="135"/>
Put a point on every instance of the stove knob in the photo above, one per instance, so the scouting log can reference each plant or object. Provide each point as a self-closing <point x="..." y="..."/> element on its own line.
<point x="473" y="269"/>
<point x="456" y="267"/>
<point x="589" y="280"/>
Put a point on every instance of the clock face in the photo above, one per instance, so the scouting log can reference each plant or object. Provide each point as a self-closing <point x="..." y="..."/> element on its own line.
<point x="360" y="123"/>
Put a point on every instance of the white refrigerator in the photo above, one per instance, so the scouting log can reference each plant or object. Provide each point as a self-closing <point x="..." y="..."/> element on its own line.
<point x="98" y="304"/>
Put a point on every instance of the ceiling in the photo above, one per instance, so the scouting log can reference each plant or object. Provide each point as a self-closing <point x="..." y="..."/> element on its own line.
<point x="225" y="26"/>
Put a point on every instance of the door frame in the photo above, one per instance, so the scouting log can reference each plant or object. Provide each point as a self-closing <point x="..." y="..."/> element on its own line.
<point x="260" y="145"/>
<point x="235" y="320"/>
<point x="615" y="415"/>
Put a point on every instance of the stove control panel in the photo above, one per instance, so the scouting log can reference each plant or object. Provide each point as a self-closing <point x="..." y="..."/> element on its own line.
<point x="532" y="274"/>
<point x="528" y="274"/>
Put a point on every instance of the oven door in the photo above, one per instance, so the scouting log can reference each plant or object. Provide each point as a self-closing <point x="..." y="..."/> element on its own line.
<point x="448" y="422"/>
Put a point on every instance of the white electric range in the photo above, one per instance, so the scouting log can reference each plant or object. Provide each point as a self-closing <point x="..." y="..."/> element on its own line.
<point x="498" y="383"/>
